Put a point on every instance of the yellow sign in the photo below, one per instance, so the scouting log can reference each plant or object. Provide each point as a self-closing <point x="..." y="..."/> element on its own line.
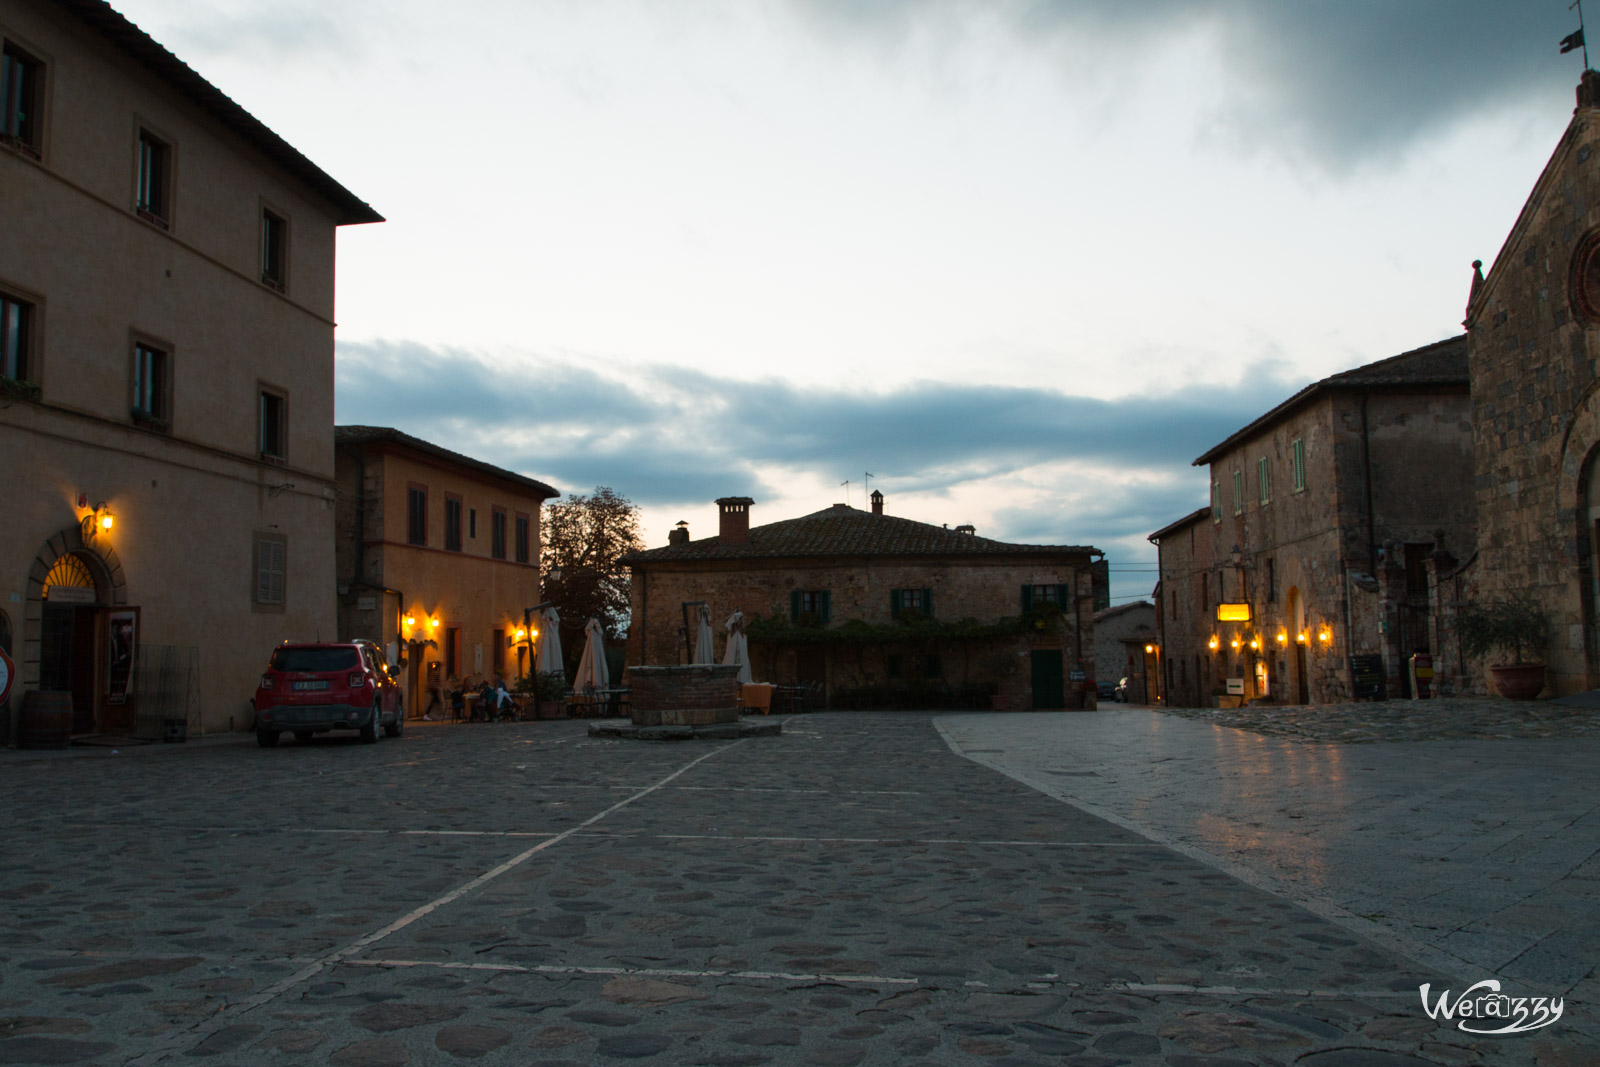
<point x="1233" y="612"/>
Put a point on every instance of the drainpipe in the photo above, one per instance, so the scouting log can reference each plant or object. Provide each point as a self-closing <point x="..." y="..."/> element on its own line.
<point x="1366" y="490"/>
<point x="642" y="574"/>
<point x="1349" y="637"/>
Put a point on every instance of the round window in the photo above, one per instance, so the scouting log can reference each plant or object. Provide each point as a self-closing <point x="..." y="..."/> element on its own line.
<point x="1586" y="278"/>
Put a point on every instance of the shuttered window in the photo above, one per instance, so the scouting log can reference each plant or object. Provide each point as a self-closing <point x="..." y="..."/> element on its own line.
<point x="911" y="600"/>
<point x="271" y="565"/>
<point x="1263" y="480"/>
<point x="1298" y="449"/>
<point x="1238" y="492"/>
<point x="815" y="602"/>
<point x="1034" y="596"/>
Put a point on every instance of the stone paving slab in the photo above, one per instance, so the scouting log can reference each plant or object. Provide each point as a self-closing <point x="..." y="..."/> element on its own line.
<point x="850" y="893"/>
<point x="1446" y="719"/>
<point x="1483" y="851"/>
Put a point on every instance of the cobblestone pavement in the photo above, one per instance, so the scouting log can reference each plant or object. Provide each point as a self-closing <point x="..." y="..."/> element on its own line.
<point x="1451" y="719"/>
<point x="1477" y="857"/>
<point x="851" y="892"/>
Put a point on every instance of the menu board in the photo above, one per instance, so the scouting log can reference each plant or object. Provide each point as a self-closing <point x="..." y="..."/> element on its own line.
<point x="1369" y="677"/>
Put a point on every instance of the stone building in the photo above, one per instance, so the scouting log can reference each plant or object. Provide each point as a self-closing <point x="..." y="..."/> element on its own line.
<point x="166" y="377"/>
<point x="1334" y="523"/>
<point x="1533" y="330"/>
<point x="438" y="557"/>
<point x="878" y="610"/>
<point x="1122" y="636"/>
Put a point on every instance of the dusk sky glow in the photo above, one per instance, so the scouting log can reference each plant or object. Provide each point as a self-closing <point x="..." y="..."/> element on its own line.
<point x="1023" y="260"/>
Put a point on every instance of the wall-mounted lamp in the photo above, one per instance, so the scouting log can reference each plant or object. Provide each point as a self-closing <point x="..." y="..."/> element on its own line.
<point x="1213" y="644"/>
<point x="98" y="521"/>
<point x="1283" y="638"/>
<point x="1300" y="638"/>
<point x="1325" y="636"/>
<point x="411" y="620"/>
<point x="522" y="635"/>
<point x="433" y="624"/>
<point x="1235" y="642"/>
<point x="1149" y="648"/>
<point x="1255" y="643"/>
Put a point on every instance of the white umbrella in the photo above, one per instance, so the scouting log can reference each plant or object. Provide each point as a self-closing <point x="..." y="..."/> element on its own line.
<point x="550" y="642"/>
<point x="703" y="650"/>
<point x="592" y="671"/>
<point x="738" y="647"/>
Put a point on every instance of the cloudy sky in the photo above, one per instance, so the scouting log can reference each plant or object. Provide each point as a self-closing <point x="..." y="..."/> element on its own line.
<point x="1023" y="260"/>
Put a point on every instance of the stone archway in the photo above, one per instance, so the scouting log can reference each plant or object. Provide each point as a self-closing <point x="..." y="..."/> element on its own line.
<point x="1299" y="665"/>
<point x="1577" y="514"/>
<point x="110" y="590"/>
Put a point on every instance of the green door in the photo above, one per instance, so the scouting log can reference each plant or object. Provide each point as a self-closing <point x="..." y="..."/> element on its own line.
<point x="1049" y="689"/>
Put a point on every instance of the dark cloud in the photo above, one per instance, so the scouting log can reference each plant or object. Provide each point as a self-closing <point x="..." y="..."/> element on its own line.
<point x="1340" y="84"/>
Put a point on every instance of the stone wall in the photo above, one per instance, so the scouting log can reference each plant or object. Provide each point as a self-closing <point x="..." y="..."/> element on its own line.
<point x="690" y="695"/>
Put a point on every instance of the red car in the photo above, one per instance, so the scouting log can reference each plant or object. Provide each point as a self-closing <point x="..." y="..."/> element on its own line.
<point x="313" y="688"/>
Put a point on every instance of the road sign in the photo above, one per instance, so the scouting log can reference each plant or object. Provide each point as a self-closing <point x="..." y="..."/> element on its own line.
<point x="8" y="671"/>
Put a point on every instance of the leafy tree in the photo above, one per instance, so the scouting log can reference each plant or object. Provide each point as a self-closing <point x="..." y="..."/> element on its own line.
<point x="585" y="536"/>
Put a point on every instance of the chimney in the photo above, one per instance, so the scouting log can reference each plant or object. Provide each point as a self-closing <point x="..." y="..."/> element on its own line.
<point x="967" y="528"/>
<point x="1589" y="90"/>
<point x="877" y="502"/>
<point x="679" y="534"/>
<point x="734" y="525"/>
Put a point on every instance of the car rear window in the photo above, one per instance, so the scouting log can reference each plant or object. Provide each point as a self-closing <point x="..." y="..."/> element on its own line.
<point x="314" y="659"/>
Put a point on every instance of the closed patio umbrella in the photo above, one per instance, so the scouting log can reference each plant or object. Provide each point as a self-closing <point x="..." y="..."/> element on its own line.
<point x="592" y="670"/>
<point x="738" y="647"/>
<point x="703" y="639"/>
<point x="550" y="642"/>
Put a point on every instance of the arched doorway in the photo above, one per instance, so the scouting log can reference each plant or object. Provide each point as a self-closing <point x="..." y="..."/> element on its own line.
<point x="1589" y="568"/>
<point x="72" y="587"/>
<point x="1299" y="679"/>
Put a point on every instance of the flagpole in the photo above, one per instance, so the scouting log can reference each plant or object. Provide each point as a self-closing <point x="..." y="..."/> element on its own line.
<point x="1581" y="35"/>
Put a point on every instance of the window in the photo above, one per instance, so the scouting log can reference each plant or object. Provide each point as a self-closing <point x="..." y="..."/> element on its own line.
<point x="1034" y="596"/>
<point x="416" y="515"/>
<point x="1205" y="598"/>
<point x="1272" y="580"/>
<point x="523" y="531"/>
<point x="271" y="568"/>
<point x="155" y="179"/>
<point x="472" y="523"/>
<point x="274" y="250"/>
<point x="21" y="77"/>
<point x="274" y="416"/>
<point x="816" y="603"/>
<point x="497" y="534"/>
<point x="1238" y="492"/>
<point x="452" y="651"/>
<point x="920" y="600"/>
<point x="1298" y="452"/>
<point x="16" y="339"/>
<point x="152" y="382"/>
<point x="1216" y="501"/>
<point x="1263" y="480"/>
<point x="452" y="523"/>
<point x="497" y="658"/>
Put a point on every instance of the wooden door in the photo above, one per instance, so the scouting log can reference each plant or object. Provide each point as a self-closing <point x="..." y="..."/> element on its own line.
<point x="1049" y="684"/>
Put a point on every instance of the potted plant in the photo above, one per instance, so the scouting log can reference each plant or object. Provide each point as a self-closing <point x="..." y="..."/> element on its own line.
<point x="1516" y="626"/>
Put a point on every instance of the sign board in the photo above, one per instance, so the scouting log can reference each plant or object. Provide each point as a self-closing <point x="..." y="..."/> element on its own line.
<point x="8" y="671"/>
<point x="366" y="603"/>
<point x="1076" y="675"/>
<point x="1369" y="677"/>
<point x="122" y="645"/>
<point x="70" y="594"/>
<point x="1236" y="687"/>
<point x="1233" y="612"/>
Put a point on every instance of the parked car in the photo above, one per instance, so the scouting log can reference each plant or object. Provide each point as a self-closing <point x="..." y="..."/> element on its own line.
<point x="1106" y="690"/>
<point x="313" y="688"/>
<point x="1121" y="692"/>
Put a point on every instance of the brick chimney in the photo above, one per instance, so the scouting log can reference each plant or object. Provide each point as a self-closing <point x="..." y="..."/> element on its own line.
<point x="1589" y="89"/>
<point x="967" y="528"/>
<point x="679" y="534"/>
<point x="734" y="525"/>
<point x="877" y="502"/>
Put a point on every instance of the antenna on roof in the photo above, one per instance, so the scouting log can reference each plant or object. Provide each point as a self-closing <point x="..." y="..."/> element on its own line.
<point x="846" y="484"/>
<point x="866" y="482"/>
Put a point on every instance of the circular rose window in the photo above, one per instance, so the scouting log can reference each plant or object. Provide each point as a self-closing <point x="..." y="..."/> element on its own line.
<point x="1586" y="278"/>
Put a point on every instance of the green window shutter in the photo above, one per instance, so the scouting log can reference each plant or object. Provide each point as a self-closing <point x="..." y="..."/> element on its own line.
<point x="927" y="603"/>
<point x="1061" y="596"/>
<point x="1027" y="599"/>
<point x="827" y="605"/>
<point x="894" y="603"/>
<point x="794" y="606"/>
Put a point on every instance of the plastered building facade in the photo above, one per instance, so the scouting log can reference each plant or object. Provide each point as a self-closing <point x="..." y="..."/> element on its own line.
<point x="438" y="556"/>
<point x="841" y="566"/>
<point x="166" y="359"/>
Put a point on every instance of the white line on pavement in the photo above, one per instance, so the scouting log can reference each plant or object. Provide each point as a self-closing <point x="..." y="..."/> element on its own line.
<point x="193" y="1036"/>
<point x="878" y="840"/>
<point x="650" y="972"/>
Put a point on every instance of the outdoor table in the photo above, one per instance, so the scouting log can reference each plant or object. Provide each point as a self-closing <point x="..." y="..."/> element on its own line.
<point x="757" y="696"/>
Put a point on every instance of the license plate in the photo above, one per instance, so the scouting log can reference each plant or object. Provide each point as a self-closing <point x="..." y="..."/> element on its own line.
<point x="311" y="685"/>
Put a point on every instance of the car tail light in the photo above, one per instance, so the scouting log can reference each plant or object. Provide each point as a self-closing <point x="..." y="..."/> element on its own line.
<point x="357" y="681"/>
<point x="266" y="681"/>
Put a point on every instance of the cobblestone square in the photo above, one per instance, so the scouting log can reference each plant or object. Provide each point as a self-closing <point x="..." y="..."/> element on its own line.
<point x="852" y="892"/>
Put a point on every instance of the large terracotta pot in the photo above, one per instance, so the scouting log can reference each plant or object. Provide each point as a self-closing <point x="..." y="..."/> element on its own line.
<point x="1521" y="681"/>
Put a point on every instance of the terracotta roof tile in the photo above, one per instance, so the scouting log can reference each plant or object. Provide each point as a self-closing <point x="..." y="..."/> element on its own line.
<point x="847" y="531"/>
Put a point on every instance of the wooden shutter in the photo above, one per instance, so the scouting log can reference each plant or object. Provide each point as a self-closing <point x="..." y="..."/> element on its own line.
<point x="826" y="605"/>
<point x="794" y="605"/>
<point x="894" y="603"/>
<point x="1061" y="597"/>
<point x="269" y="571"/>
<point x="927" y="603"/>
<point x="1027" y="599"/>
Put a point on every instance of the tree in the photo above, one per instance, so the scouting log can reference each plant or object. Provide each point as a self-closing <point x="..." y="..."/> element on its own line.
<point x="585" y="536"/>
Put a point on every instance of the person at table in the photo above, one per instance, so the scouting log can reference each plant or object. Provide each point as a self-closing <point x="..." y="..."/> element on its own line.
<point x="458" y="699"/>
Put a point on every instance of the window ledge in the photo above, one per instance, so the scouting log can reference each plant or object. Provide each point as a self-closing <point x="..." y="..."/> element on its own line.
<point x="152" y="218"/>
<point x="276" y="285"/>
<point x="275" y="460"/>
<point x="18" y="145"/>
<point x="15" y="389"/>
<point x="151" y="422"/>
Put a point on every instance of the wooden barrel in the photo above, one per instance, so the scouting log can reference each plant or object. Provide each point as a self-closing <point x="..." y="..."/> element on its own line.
<point x="45" y="720"/>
